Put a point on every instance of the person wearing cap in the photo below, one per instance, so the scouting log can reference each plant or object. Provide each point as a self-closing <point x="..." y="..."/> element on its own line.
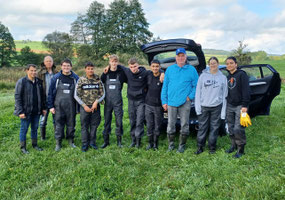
<point x="177" y="93"/>
<point x="153" y="108"/>
<point x="30" y="103"/>
<point x="62" y="104"/>
<point x="89" y="92"/>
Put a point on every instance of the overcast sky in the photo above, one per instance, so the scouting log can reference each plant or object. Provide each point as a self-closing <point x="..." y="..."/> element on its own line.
<point x="217" y="24"/>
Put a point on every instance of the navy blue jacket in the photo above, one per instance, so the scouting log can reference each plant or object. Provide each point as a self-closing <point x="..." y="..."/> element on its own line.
<point x="52" y="88"/>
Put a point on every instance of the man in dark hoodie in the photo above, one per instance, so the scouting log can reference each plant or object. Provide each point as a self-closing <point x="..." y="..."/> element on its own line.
<point x="237" y="101"/>
<point x="62" y="104"/>
<point x="47" y="71"/>
<point x="30" y="103"/>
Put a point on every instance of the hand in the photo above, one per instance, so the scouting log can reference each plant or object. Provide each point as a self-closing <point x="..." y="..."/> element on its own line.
<point x="164" y="107"/>
<point x="188" y="99"/>
<point x="106" y="69"/>
<point x="161" y="78"/>
<point x="94" y="106"/>
<point x="244" y="109"/>
<point x="52" y="110"/>
<point x="87" y="109"/>
<point x="22" y="116"/>
<point x="44" y="112"/>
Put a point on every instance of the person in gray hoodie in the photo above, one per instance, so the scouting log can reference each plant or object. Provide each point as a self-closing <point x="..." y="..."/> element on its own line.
<point x="210" y="104"/>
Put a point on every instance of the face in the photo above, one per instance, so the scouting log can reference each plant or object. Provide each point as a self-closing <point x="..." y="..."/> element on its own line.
<point x="66" y="68"/>
<point x="113" y="63"/>
<point x="134" y="68"/>
<point x="48" y="62"/>
<point x="231" y="65"/>
<point x="89" y="70"/>
<point x="213" y="64"/>
<point x="155" y="68"/>
<point x="181" y="59"/>
<point x="32" y="72"/>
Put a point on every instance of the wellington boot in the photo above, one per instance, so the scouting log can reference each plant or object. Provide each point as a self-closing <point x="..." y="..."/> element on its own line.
<point x="182" y="143"/>
<point x="199" y="150"/>
<point x="23" y="147"/>
<point x="119" y="141"/>
<point x="106" y="141"/>
<point x="58" y="145"/>
<point x="35" y="145"/>
<point x="43" y="133"/>
<point x="171" y="145"/>
<point x="133" y="144"/>
<point x="155" y="142"/>
<point x="150" y="142"/>
<point x="138" y="142"/>
<point x="71" y="143"/>
<point x="240" y="152"/>
<point x="233" y="147"/>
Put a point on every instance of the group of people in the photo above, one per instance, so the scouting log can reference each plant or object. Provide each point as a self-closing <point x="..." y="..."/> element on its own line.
<point x="149" y="92"/>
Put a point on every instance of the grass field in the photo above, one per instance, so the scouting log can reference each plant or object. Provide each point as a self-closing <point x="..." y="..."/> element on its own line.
<point x="126" y="173"/>
<point x="36" y="46"/>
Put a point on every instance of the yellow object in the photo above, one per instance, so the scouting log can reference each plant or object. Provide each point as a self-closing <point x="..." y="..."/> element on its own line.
<point x="244" y="119"/>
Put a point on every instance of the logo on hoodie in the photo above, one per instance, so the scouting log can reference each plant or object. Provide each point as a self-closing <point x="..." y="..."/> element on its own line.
<point x="232" y="83"/>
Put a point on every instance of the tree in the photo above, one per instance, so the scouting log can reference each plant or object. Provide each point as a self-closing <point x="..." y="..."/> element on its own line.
<point x="79" y="30"/>
<point x="27" y="56"/>
<point x="243" y="57"/>
<point x="59" y="45"/>
<point x="259" y="55"/>
<point x="7" y="46"/>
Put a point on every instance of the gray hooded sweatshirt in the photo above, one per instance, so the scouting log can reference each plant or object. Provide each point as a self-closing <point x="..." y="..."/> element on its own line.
<point x="211" y="91"/>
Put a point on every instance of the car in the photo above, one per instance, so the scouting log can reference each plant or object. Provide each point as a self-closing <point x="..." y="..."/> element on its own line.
<point x="264" y="80"/>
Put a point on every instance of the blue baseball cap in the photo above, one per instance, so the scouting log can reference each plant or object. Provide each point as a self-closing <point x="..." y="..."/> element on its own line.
<point x="180" y="50"/>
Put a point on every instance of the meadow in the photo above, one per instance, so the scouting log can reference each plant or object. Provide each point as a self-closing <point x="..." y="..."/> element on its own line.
<point x="130" y="173"/>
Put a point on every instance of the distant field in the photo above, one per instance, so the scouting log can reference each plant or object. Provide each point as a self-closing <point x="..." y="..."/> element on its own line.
<point x="36" y="46"/>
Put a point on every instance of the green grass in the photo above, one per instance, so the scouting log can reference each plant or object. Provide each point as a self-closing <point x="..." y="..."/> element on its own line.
<point x="34" y="45"/>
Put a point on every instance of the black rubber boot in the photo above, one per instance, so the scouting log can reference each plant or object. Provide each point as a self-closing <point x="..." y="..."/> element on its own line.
<point x="43" y="133"/>
<point x="150" y="142"/>
<point x="119" y="141"/>
<point x="232" y="148"/>
<point x="155" y="142"/>
<point x="182" y="143"/>
<point x="133" y="144"/>
<point x="71" y="143"/>
<point x="35" y="145"/>
<point x="240" y="152"/>
<point x="23" y="147"/>
<point x="171" y="145"/>
<point x="138" y="142"/>
<point x="58" y="145"/>
<point x="199" y="150"/>
<point x="106" y="141"/>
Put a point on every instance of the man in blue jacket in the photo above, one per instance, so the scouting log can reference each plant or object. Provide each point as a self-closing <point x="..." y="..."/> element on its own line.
<point x="177" y="93"/>
<point x="62" y="103"/>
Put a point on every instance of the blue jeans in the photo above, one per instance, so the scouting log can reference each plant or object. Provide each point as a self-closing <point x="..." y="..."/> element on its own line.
<point x="25" y="123"/>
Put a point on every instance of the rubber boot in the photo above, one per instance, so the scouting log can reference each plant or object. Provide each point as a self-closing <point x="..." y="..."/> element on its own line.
<point x="155" y="142"/>
<point x="138" y="142"/>
<point x="23" y="147"/>
<point x="119" y="141"/>
<point x="240" y="152"/>
<point x="71" y="143"/>
<point x="43" y="133"/>
<point x="133" y="144"/>
<point x="182" y="143"/>
<point x="233" y="147"/>
<point x="199" y="150"/>
<point x="171" y="142"/>
<point x="35" y="145"/>
<point x="106" y="141"/>
<point x="150" y="142"/>
<point x="58" y="145"/>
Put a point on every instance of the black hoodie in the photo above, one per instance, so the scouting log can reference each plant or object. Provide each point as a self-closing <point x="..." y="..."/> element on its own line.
<point x="239" y="91"/>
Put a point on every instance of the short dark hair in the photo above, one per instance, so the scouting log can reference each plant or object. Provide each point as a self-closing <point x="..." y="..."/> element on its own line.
<point x="29" y="66"/>
<point x="155" y="61"/>
<point x="66" y="60"/>
<point x="132" y="61"/>
<point x="232" y="58"/>
<point x="213" y="58"/>
<point x="89" y="64"/>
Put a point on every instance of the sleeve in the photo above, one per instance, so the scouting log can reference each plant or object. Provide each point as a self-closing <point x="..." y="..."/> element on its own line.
<point x="103" y="77"/>
<point x="245" y="90"/>
<point x="225" y="94"/>
<point x="198" y="96"/>
<point x="51" y="93"/>
<point x="78" y="93"/>
<point x="164" y="91"/>
<point x="102" y="93"/>
<point x="18" y="98"/>
<point x="193" y="83"/>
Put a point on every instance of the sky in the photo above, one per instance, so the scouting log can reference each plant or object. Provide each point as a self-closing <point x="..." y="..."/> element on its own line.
<point x="214" y="24"/>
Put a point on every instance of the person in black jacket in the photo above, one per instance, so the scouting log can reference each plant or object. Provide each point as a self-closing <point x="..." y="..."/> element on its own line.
<point x="237" y="101"/>
<point x="29" y="105"/>
<point x="153" y="108"/>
